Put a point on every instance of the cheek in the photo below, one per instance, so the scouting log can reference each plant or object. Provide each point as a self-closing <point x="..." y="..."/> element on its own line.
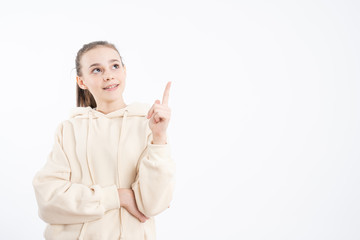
<point x="94" y="83"/>
<point x="122" y="74"/>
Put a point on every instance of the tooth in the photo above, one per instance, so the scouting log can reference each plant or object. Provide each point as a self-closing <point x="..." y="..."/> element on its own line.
<point x="112" y="86"/>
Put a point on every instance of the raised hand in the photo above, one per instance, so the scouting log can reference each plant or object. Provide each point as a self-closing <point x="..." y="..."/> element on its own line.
<point x="159" y="115"/>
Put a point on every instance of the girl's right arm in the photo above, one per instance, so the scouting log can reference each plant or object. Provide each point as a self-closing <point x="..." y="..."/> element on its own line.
<point x="61" y="201"/>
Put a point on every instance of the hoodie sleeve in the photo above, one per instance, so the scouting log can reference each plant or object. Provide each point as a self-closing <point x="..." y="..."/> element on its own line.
<point x="155" y="179"/>
<point x="61" y="201"/>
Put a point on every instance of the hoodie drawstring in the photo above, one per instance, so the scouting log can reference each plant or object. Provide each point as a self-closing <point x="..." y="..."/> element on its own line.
<point x="122" y="133"/>
<point x="83" y="229"/>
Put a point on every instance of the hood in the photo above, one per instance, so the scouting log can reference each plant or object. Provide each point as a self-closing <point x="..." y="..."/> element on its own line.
<point x="132" y="109"/>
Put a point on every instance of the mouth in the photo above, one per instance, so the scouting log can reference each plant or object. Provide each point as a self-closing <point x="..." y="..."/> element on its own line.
<point x="111" y="87"/>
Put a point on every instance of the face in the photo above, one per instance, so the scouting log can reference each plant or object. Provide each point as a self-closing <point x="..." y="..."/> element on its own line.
<point x="101" y="67"/>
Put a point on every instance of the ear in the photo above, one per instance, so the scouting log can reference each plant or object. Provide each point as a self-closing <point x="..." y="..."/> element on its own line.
<point x="80" y="82"/>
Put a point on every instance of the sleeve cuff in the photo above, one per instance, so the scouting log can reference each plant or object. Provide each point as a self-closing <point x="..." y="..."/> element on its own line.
<point x="110" y="198"/>
<point x="160" y="150"/>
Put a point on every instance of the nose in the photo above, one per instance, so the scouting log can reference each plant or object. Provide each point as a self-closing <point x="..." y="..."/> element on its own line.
<point x="108" y="76"/>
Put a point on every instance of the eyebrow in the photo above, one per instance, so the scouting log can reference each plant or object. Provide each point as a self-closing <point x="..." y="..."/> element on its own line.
<point x="110" y="61"/>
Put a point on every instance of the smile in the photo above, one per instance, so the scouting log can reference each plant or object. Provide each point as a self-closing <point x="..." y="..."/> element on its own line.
<point x="112" y="87"/>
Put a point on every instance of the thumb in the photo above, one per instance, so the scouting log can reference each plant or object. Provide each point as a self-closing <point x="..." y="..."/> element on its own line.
<point x="151" y="111"/>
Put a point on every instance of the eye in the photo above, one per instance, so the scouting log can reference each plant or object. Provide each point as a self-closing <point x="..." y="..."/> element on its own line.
<point x="95" y="70"/>
<point x="116" y="65"/>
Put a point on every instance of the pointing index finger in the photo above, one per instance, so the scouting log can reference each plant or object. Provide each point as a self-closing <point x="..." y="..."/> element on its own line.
<point x="165" y="99"/>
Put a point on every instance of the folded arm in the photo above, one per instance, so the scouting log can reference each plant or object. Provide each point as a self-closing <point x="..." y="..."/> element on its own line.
<point x="61" y="201"/>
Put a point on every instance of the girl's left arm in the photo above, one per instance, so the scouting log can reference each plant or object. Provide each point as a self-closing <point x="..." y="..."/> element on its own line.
<point x="155" y="180"/>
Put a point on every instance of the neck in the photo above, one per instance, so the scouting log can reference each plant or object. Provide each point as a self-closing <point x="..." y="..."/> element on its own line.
<point x="108" y="107"/>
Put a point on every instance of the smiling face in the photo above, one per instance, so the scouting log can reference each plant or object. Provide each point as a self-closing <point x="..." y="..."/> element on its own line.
<point x="101" y="68"/>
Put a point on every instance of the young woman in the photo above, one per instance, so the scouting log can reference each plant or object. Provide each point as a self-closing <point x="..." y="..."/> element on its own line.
<point x="110" y="170"/>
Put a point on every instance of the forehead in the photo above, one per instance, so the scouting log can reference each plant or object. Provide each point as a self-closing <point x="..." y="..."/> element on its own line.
<point x="100" y="55"/>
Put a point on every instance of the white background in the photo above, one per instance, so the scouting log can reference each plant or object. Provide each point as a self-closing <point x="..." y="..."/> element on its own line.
<point x="265" y="108"/>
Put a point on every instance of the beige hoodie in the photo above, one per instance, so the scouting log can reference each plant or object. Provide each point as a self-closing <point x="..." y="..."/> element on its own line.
<point x="94" y="154"/>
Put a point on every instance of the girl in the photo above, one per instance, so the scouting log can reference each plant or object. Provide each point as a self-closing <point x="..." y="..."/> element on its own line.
<point x="110" y="170"/>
